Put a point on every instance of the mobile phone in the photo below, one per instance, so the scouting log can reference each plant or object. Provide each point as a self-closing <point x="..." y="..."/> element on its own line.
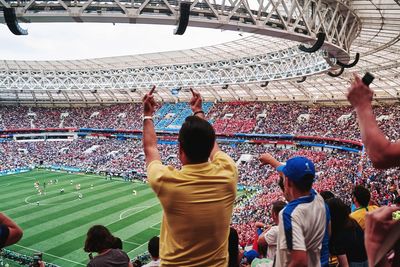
<point x="368" y="78"/>
<point x="396" y="215"/>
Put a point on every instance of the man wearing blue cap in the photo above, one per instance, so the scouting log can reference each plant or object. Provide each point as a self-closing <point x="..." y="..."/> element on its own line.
<point x="303" y="236"/>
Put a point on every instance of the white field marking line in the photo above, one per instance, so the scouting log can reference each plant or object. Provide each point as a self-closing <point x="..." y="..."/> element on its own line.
<point x="44" y="204"/>
<point x="130" y="215"/>
<point x="155" y="228"/>
<point x="51" y="255"/>
<point x="136" y="248"/>
<point x="30" y="203"/>
<point x="33" y="178"/>
<point x="48" y="204"/>
<point x="134" y="208"/>
<point x="143" y="243"/>
<point x="133" y="243"/>
<point x="73" y="192"/>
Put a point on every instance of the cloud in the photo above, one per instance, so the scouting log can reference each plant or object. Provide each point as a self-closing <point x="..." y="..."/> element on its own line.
<point x="60" y="41"/>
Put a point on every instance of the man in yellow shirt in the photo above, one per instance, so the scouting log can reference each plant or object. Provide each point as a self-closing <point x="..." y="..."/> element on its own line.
<point x="361" y="198"/>
<point x="198" y="199"/>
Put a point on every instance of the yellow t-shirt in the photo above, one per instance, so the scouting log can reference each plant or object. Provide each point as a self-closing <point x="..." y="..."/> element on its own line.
<point x="359" y="215"/>
<point x="197" y="202"/>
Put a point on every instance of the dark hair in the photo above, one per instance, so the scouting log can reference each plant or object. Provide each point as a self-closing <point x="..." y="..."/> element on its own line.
<point x="277" y="206"/>
<point x="117" y="243"/>
<point x="305" y="183"/>
<point x="233" y="248"/>
<point x="137" y="263"/>
<point x="98" y="239"/>
<point x="262" y="249"/>
<point x="327" y="195"/>
<point x="154" y="246"/>
<point x="396" y="200"/>
<point x="340" y="215"/>
<point x="196" y="138"/>
<point x="362" y="195"/>
<point x="343" y="224"/>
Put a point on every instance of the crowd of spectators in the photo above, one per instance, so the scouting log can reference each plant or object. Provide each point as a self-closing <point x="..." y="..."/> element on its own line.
<point x="123" y="116"/>
<point x="228" y="118"/>
<point x="336" y="171"/>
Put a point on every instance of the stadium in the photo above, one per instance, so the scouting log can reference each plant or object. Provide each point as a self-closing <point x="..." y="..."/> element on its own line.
<point x="71" y="131"/>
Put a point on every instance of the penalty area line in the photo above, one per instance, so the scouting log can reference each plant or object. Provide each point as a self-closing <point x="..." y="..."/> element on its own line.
<point x="141" y="244"/>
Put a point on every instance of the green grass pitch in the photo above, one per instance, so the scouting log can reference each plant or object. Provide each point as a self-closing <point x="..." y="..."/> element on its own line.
<point x="58" y="225"/>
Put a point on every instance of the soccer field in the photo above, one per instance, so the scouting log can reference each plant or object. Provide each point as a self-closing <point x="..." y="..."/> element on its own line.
<point x="58" y="225"/>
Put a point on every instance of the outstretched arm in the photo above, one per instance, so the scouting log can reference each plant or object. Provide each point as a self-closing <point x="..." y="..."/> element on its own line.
<point x="196" y="106"/>
<point x="267" y="158"/>
<point x="381" y="151"/>
<point x="149" y="134"/>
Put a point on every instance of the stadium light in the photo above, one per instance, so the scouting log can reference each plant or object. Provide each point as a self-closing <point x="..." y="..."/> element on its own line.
<point x="12" y="23"/>
<point x="183" y="18"/>
<point x="336" y="74"/>
<point x="302" y="79"/>
<point x="318" y="44"/>
<point x="350" y="65"/>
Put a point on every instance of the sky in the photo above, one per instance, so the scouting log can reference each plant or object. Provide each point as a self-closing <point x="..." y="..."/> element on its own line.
<point x="60" y="41"/>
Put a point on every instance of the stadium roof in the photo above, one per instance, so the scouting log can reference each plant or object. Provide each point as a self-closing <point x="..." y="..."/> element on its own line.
<point x="377" y="42"/>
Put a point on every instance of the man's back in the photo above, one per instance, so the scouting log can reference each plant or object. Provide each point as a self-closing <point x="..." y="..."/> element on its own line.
<point x="302" y="226"/>
<point x="197" y="203"/>
<point x="360" y="213"/>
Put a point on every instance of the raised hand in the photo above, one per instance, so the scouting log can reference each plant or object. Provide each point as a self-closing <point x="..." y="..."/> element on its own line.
<point x="268" y="159"/>
<point x="359" y="94"/>
<point x="196" y="101"/>
<point x="149" y="104"/>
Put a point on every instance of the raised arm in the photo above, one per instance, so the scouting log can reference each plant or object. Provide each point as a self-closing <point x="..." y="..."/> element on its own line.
<point x="149" y="138"/>
<point x="197" y="109"/>
<point x="14" y="231"/>
<point x="267" y="158"/>
<point x="381" y="151"/>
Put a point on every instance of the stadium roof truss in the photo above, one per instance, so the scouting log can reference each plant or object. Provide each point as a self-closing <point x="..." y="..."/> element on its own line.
<point x="258" y="67"/>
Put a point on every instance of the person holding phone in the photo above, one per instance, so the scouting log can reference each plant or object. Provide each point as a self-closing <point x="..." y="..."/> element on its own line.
<point x="383" y="153"/>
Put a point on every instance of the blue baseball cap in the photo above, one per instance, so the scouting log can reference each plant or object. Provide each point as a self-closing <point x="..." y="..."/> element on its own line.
<point x="296" y="167"/>
<point x="251" y="255"/>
